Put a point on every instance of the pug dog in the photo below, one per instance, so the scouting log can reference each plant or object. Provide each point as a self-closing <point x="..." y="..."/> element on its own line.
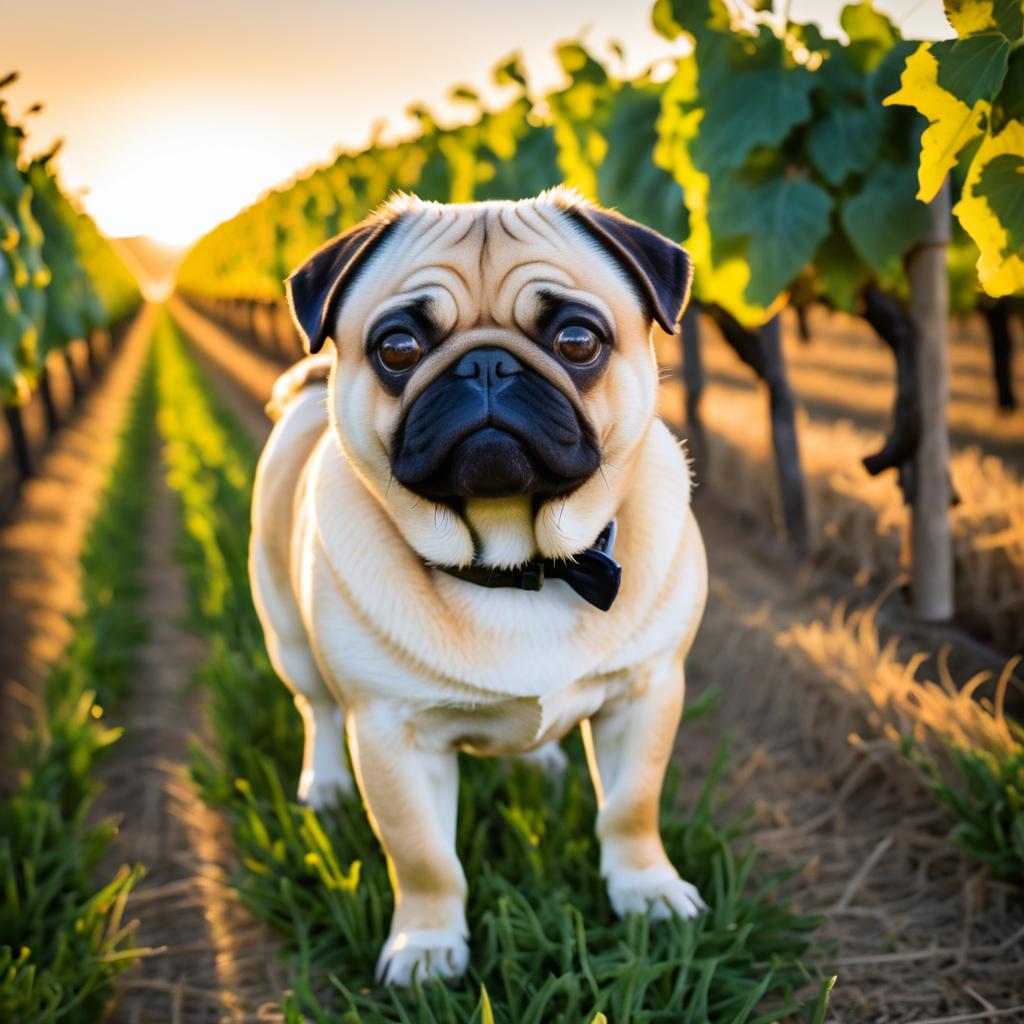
<point x="477" y="535"/>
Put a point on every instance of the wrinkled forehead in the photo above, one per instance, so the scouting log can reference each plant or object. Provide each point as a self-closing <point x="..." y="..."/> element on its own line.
<point x="488" y="263"/>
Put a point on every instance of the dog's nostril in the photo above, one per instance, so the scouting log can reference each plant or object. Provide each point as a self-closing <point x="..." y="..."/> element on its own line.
<point x="468" y="370"/>
<point x="488" y="364"/>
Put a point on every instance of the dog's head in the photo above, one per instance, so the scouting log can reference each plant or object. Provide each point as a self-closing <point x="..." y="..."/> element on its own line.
<point x="494" y="372"/>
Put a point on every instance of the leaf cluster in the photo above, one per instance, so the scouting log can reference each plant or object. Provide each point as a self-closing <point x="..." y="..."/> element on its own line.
<point x="800" y="184"/>
<point x="971" y="90"/>
<point x="59" y="277"/>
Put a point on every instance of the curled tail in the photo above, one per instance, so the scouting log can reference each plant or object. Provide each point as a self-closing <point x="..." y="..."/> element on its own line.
<point x="306" y="373"/>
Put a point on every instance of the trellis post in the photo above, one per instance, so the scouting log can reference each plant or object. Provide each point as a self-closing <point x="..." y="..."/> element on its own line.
<point x="693" y="383"/>
<point x="785" y="442"/>
<point x="930" y="531"/>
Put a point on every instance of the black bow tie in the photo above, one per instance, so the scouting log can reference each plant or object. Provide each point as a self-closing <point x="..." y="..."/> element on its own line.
<point x="593" y="574"/>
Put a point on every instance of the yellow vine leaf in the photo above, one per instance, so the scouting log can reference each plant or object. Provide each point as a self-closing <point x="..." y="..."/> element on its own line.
<point x="1000" y="273"/>
<point x="971" y="17"/>
<point x="952" y="123"/>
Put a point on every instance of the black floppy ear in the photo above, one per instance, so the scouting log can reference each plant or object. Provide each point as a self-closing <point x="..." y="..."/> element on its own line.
<point x="660" y="268"/>
<point x="316" y="288"/>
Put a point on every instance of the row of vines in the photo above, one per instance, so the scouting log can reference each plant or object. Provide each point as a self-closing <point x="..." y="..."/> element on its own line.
<point x="796" y="168"/>
<point x="787" y="161"/>
<point x="60" y="279"/>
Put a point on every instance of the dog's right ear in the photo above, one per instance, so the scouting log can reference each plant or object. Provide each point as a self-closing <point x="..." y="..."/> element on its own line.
<point x="316" y="289"/>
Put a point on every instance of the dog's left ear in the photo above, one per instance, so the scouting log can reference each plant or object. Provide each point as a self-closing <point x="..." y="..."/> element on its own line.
<point x="316" y="289"/>
<point x="660" y="268"/>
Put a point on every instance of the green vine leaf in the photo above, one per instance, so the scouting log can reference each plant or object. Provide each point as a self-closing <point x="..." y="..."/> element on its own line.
<point x="844" y="142"/>
<point x="746" y="106"/>
<point x="884" y="220"/>
<point x="785" y="220"/>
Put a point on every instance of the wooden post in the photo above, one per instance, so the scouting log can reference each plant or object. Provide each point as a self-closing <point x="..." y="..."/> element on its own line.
<point x="693" y="381"/>
<point x="997" y="317"/>
<point x="252" y="335"/>
<point x="762" y="352"/>
<point x="19" y="441"/>
<point x="91" y="356"/>
<point x="49" y="405"/>
<point x="784" y="437"/>
<point x="931" y="535"/>
<point x="77" y="387"/>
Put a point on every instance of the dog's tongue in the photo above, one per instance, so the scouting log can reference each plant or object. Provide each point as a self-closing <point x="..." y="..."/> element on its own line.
<point x="492" y="464"/>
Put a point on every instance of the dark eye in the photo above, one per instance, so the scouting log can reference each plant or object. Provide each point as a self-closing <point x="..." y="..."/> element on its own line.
<point x="399" y="352"/>
<point x="577" y="344"/>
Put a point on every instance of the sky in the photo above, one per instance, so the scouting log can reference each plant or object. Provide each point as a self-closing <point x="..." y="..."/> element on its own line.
<point x="176" y="116"/>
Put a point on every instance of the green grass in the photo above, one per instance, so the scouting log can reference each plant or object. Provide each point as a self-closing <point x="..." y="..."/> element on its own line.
<point x="61" y="938"/>
<point x="984" y="793"/>
<point x="545" y="944"/>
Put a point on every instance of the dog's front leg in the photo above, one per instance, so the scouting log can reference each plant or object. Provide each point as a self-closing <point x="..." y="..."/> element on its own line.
<point x="629" y="743"/>
<point x="411" y="795"/>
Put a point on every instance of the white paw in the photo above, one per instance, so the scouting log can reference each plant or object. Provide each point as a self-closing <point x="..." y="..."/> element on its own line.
<point x="323" y="790"/>
<point x="658" y="891"/>
<point x="424" y="953"/>
<point x="551" y="759"/>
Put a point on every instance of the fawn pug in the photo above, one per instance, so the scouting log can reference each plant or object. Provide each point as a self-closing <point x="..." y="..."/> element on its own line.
<point x="438" y="532"/>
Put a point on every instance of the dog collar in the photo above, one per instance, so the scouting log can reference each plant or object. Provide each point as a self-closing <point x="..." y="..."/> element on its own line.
<point x="593" y="573"/>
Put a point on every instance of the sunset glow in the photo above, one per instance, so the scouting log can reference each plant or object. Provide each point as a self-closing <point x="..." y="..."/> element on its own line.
<point x="204" y="165"/>
<point x="176" y="118"/>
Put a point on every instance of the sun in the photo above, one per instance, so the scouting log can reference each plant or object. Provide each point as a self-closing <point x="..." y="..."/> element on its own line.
<point x="184" y="174"/>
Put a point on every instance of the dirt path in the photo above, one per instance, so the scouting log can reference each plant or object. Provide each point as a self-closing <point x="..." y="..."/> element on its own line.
<point x="917" y="932"/>
<point x="41" y="540"/>
<point x="213" y="961"/>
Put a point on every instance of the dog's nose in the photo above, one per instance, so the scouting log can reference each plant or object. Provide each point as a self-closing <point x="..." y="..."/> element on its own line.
<point x="488" y="368"/>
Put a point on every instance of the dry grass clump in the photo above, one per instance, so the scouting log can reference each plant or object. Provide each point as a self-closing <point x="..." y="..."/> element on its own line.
<point x="894" y="699"/>
<point x="970" y="752"/>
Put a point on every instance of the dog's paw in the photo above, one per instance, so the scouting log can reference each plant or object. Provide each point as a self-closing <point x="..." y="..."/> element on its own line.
<point x="550" y="758"/>
<point x="423" y="953"/>
<point x="658" y="891"/>
<point x="322" y="791"/>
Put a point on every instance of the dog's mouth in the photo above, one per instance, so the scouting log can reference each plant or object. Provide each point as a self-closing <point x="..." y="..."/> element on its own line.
<point x="493" y="428"/>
